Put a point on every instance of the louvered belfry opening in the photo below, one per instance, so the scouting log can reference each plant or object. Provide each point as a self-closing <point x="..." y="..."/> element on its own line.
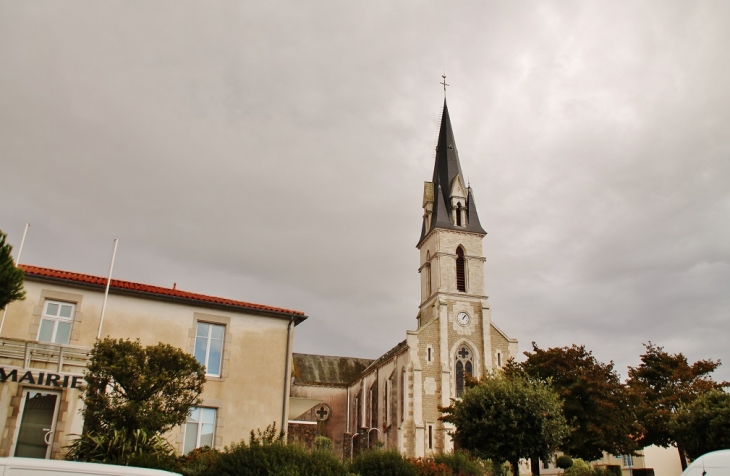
<point x="460" y="279"/>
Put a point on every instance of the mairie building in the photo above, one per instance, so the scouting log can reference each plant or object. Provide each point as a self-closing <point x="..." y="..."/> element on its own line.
<point x="45" y="342"/>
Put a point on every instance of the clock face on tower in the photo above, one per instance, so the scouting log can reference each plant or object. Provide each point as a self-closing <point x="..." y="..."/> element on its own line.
<point x="462" y="318"/>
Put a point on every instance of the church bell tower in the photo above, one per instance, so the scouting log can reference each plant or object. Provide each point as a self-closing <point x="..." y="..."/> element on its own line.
<point x="452" y="271"/>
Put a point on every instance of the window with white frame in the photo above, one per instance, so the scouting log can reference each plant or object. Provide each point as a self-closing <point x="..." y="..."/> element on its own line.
<point x="56" y="322"/>
<point x="209" y="347"/>
<point x="200" y="428"/>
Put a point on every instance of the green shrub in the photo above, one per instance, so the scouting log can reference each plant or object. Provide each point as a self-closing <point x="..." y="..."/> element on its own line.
<point x="564" y="462"/>
<point x="579" y="468"/>
<point x="382" y="463"/>
<point x="264" y="459"/>
<point x="613" y="470"/>
<point x="199" y="462"/>
<point x="323" y="443"/>
<point x="643" y="471"/>
<point x="146" y="460"/>
<point x="495" y="469"/>
<point x="135" y="448"/>
<point x="268" y="437"/>
<point x="461" y="463"/>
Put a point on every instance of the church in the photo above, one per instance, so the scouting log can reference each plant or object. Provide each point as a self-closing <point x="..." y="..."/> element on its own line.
<point x="393" y="401"/>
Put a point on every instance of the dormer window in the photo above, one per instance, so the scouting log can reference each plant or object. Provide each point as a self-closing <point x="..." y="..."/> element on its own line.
<point x="458" y="202"/>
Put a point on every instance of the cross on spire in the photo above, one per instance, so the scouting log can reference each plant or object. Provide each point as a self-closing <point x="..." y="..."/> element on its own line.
<point x="444" y="83"/>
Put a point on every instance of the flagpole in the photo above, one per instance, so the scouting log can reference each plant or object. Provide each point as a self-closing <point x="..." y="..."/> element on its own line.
<point x="106" y="292"/>
<point x="17" y="260"/>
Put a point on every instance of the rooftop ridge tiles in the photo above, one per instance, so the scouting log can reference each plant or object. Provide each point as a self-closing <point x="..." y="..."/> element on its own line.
<point x="38" y="271"/>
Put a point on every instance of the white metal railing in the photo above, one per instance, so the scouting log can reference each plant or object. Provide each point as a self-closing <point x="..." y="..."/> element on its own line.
<point x="43" y="355"/>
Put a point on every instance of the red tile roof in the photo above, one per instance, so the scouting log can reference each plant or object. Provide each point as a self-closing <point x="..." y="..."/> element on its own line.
<point x="155" y="291"/>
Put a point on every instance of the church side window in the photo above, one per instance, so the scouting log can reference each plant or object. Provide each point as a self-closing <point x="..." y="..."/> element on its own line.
<point x="56" y="322"/>
<point x="373" y="423"/>
<point x="386" y="401"/>
<point x="403" y="396"/>
<point x="464" y="367"/>
<point x="460" y="265"/>
<point x="358" y="412"/>
<point x="458" y="215"/>
<point x="209" y="347"/>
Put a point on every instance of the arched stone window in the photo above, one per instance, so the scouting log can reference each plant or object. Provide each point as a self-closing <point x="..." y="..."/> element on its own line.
<point x="403" y="395"/>
<point x="358" y="411"/>
<point x="373" y="399"/>
<point x="460" y="266"/>
<point x="458" y="215"/>
<point x="464" y="365"/>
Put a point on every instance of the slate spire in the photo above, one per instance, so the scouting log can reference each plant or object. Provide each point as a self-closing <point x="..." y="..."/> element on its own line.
<point x="448" y="202"/>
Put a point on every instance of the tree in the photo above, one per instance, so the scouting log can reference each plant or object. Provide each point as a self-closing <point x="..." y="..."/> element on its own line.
<point x="665" y="382"/>
<point x="131" y="388"/>
<point x="595" y="402"/>
<point x="704" y="425"/>
<point x="11" y="277"/>
<point x="564" y="462"/>
<point x="508" y="418"/>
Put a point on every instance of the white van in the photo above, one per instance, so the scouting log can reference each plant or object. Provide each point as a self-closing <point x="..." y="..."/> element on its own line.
<point x="715" y="463"/>
<point x="50" y="467"/>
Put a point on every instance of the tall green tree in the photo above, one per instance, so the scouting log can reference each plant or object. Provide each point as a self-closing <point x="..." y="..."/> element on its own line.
<point x="133" y="395"/>
<point x="665" y="382"/>
<point x="595" y="402"/>
<point x="132" y="387"/>
<point x="704" y="425"/>
<point x="508" y="418"/>
<point x="11" y="277"/>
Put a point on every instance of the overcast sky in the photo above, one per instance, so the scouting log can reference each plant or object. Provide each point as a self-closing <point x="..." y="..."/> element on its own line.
<point x="275" y="152"/>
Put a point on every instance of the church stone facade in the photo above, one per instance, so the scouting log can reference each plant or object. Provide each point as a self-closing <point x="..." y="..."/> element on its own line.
<point x="394" y="400"/>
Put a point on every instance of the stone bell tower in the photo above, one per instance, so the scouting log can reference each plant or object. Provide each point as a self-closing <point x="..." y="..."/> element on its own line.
<point x="452" y="276"/>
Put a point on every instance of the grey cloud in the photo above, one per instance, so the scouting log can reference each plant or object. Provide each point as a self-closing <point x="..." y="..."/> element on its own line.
<point x="276" y="152"/>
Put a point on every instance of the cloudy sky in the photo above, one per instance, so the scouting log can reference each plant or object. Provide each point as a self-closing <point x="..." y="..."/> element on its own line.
<point x="275" y="152"/>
